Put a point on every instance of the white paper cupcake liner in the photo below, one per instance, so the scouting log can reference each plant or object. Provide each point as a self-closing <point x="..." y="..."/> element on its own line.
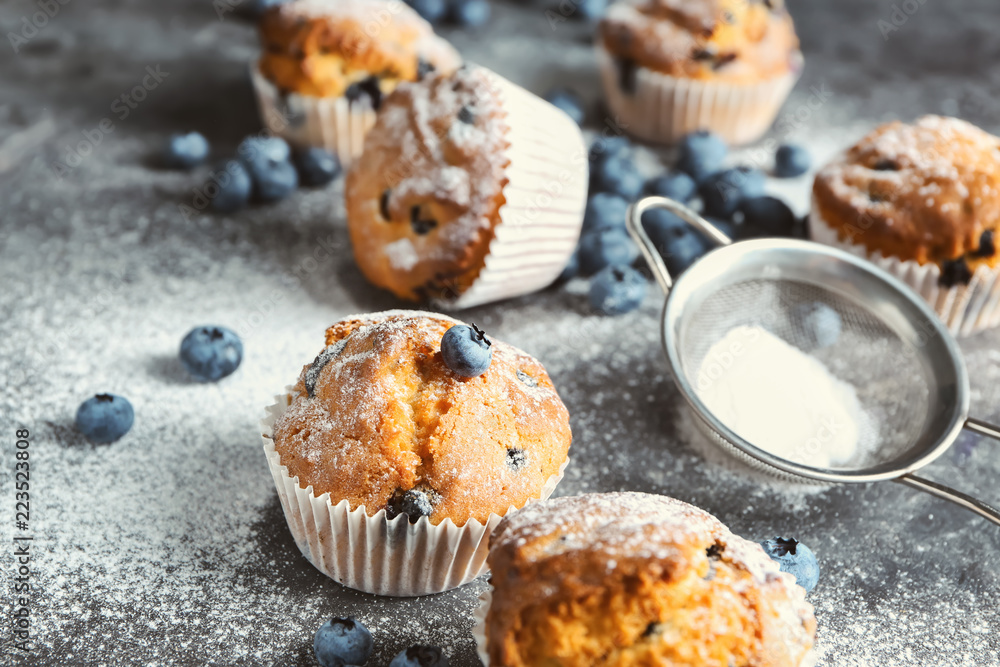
<point x="374" y="554"/>
<point x="333" y="123"/>
<point x="664" y="108"/>
<point x="479" y="629"/>
<point x="964" y="309"/>
<point x="546" y="193"/>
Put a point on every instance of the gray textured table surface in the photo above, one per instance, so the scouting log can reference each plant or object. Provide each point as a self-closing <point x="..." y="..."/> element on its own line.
<point x="169" y="547"/>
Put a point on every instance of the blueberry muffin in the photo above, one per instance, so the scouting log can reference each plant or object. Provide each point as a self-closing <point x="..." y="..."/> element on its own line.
<point x="671" y="67"/>
<point x="379" y="420"/>
<point x="921" y="199"/>
<point x="469" y="190"/>
<point x="327" y="64"/>
<point x="629" y="579"/>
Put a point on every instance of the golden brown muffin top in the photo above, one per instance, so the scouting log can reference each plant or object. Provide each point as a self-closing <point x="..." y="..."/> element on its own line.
<point x="927" y="191"/>
<point x="424" y="197"/>
<point x="673" y="585"/>
<point x="379" y="414"/>
<point x="739" y="41"/>
<point x="321" y="47"/>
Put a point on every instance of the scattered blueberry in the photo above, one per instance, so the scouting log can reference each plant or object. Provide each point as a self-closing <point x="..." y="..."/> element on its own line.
<point x="590" y="10"/>
<point x="663" y="227"/>
<point x="232" y="186"/>
<point x="618" y="175"/>
<point x="431" y="10"/>
<point x="683" y="250"/>
<point x="420" y="656"/>
<point x="466" y="350"/>
<point x="263" y="150"/>
<point x="104" y="418"/>
<point x="185" y="151"/>
<point x="791" y="160"/>
<point x="676" y="185"/>
<point x="603" y="148"/>
<point x="820" y="323"/>
<point x="255" y="8"/>
<point x="342" y="641"/>
<point x="571" y="269"/>
<point x="616" y="290"/>
<point x="605" y="210"/>
<point x="725" y="226"/>
<point x="211" y="353"/>
<point x="317" y="166"/>
<point x="722" y="192"/>
<point x="795" y="558"/>
<point x="470" y="13"/>
<point x="701" y="154"/>
<point x="604" y="247"/>
<point x="568" y="101"/>
<point x="766" y="216"/>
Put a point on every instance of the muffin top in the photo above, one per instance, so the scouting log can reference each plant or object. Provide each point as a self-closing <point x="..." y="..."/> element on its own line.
<point x="379" y="420"/>
<point x="738" y="41"/>
<point x="927" y="191"/>
<point x="424" y="197"/>
<point x="667" y="583"/>
<point x="323" y="47"/>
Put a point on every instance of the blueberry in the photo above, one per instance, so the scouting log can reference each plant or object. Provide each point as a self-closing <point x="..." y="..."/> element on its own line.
<point x="820" y="323"/>
<point x="676" y="185"/>
<point x="663" y="227"/>
<point x="470" y="13"/>
<point x="229" y="187"/>
<point x="603" y="148"/>
<point x="104" y="418"/>
<point x="604" y="247"/>
<point x="369" y="87"/>
<point x="766" y="216"/>
<point x="571" y="269"/>
<point x="255" y="8"/>
<point x="795" y="558"/>
<point x="605" y="210"/>
<point x="211" y="353"/>
<point x="420" y="656"/>
<point x="466" y="350"/>
<point x="263" y="150"/>
<point x="722" y="192"/>
<point x="590" y="10"/>
<point x="317" y="166"/>
<point x="431" y="10"/>
<point x="342" y="641"/>
<point x="616" y="290"/>
<point x="618" y="175"/>
<point x="568" y="101"/>
<point x="682" y="251"/>
<point x="185" y="151"/>
<point x="725" y="226"/>
<point x="791" y="160"/>
<point x="700" y="154"/>
<point x="414" y="503"/>
<point x="267" y="161"/>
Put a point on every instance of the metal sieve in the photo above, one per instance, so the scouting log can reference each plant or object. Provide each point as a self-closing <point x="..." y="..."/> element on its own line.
<point x="892" y="350"/>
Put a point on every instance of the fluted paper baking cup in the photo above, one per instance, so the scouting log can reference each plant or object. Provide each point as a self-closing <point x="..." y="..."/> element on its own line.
<point x="664" y="108"/>
<point x="334" y="123"/>
<point x="479" y="629"/>
<point x="964" y="309"/>
<point x="545" y="197"/>
<point x="371" y="553"/>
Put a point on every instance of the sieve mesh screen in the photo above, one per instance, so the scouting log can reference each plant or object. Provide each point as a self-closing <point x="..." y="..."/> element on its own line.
<point x="885" y="371"/>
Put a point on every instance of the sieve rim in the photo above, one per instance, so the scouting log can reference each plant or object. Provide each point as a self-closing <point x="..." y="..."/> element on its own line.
<point x="673" y="311"/>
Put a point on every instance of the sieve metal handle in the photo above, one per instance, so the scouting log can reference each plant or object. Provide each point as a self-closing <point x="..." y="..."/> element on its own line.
<point x="633" y="222"/>
<point x="941" y="491"/>
<point x="982" y="428"/>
